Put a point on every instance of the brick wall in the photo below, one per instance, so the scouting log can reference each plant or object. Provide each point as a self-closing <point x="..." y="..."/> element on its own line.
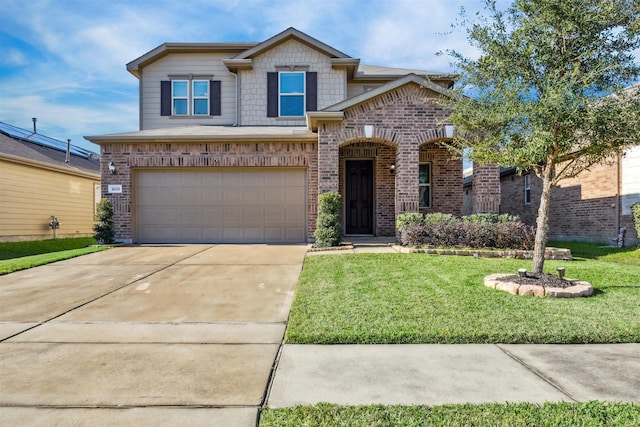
<point x="407" y="123"/>
<point x="127" y="157"/>
<point x="584" y="208"/>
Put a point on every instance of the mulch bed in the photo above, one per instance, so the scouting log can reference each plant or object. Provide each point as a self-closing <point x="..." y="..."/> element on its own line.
<point x="545" y="280"/>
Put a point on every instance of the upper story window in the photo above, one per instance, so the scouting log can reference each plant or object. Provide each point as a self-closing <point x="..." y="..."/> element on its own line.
<point x="424" y="184"/>
<point x="180" y="97"/>
<point x="190" y="97"/>
<point x="291" y="94"/>
<point x="200" y="97"/>
<point x="527" y="188"/>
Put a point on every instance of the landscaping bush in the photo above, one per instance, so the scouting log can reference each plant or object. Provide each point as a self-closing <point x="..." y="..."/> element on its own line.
<point x="411" y="228"/>
<point x="492" y="218"/>
<point x="103" y="229"/>
<point x="328" y="230"/>
<point x="476" y="231"/>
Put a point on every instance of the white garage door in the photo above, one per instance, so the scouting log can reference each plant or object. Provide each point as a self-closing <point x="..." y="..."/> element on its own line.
<point x="256" y="205"/>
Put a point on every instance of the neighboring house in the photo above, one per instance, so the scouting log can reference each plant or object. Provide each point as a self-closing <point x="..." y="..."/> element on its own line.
<point x="40" y="181"/>
<point x="237" y="140"/>
<point x="591" y="207"/>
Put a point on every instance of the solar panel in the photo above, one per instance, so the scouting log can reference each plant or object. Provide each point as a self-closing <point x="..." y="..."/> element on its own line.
<point x="42" y="140"/>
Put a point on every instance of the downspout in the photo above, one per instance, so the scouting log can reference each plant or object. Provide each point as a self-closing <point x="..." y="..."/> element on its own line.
<point x="237" y="96"/>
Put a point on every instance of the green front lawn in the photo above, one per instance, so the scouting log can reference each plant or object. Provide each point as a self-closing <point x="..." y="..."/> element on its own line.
<point x="488" y="415"/>
<point x="419" y="298"/>
<point x="16" y="256"/>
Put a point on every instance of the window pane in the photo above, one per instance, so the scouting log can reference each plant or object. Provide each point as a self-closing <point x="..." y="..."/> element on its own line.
<point x="292" y="105"/>
<point x="291" y="82"/>
<point x="424" y="174"/>
<point x="180" y="88"/>
<point x="201" y="88"/>
<point x="179" y="106"/>
<point x="425" y="196"/>
<point x="200" y="106"/>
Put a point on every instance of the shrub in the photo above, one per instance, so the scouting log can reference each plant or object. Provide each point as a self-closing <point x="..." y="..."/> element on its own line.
<point x="328" y="230"/>
<point x="411" y="228"/>
<point x="439" y="217"/>
<point x="635" y="211"/>
<point x="491" y="218"/>
<point x="476" y="231"/>
<point x="103" y="229"/>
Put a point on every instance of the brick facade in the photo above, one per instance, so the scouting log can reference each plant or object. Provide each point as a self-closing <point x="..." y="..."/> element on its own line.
<point x="406" y="127"/>
<point x="584" y="208"/>
<point x="129" y="157"/>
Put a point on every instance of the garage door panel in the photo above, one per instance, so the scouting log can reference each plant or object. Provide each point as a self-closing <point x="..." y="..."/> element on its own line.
<point x="224" y="206"/>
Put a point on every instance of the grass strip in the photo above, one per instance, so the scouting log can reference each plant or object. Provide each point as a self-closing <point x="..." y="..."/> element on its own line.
<point x="22" y="263"/>
<point x="585" y="414"/>
<point x="10" y="250"/>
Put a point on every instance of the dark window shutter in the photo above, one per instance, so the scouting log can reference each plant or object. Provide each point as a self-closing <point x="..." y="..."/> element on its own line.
<point x="165" y="98"/>
<point x="272" y="94"/>
<point x="215" y="97"/>
<point x="312" y="91"/>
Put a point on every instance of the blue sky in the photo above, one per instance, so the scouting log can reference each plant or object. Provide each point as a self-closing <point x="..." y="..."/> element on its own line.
<point x="63" y="61"/>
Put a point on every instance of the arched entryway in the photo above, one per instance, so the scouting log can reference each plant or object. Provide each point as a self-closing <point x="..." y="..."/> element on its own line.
<point x="367" y="183"/>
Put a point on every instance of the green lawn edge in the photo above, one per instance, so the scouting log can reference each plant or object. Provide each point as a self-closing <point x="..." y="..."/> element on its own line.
<point x="561" y="414"/>
<point x="22" y="263"/>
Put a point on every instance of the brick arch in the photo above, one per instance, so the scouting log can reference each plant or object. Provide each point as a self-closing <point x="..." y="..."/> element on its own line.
<point x="430" y="136"/>
<point x="355" y="135"/>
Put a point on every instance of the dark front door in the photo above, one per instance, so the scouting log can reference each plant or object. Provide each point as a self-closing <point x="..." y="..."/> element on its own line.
<point x="359" y="197"/>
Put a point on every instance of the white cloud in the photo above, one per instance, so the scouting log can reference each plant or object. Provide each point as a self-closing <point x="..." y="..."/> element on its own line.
<point x="13" y="58"/>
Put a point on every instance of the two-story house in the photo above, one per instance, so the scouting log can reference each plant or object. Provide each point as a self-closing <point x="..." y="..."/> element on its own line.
<point x="237" y="140"/>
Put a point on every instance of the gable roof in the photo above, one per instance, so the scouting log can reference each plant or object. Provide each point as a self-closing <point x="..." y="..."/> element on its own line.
<point x="410" y="78"/>
<point x="288" y="34"/>
<point x="335" y="112"/>
<point x="166" y="48"/>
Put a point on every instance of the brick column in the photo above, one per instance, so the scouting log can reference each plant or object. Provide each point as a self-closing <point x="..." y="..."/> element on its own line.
<point x="328" y="160"/>
<point x="407" y="158"/>
<point x="486" y="189"/>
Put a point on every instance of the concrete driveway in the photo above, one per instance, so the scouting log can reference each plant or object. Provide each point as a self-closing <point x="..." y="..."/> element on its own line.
<point x="145" y="335"/>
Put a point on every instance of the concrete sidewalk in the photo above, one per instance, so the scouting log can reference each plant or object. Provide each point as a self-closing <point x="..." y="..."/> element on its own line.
<point x="446" y="374"/>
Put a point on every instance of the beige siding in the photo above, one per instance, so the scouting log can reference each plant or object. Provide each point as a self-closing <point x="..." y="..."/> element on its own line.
<point x="182" y="64"/>
<point x="332" y="86"/>
<point x="29" y="196"/>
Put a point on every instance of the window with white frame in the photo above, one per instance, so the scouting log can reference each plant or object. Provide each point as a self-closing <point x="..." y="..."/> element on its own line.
<point x="424" y="184"/>
<point x="180" y="97"/>
<point x="200" y="96"/>
<point x="527" y="188"/>
<point x="291" y="95"/>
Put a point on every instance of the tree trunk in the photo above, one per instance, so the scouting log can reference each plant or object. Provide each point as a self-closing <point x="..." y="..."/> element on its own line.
<point x="542" y="222"/>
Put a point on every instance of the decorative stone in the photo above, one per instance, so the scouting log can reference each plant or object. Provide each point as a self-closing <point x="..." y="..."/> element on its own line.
<point x="510" y="287"/>
<point x="580" y="288"/>
<point x="531" y="291"/>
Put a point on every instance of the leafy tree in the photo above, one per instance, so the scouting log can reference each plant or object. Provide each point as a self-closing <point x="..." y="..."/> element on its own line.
<point x="547" y="91"/>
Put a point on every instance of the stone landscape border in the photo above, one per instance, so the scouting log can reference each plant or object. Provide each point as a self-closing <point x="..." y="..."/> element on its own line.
<point x="550" y="252"/>
<point x="579" y="289"/>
